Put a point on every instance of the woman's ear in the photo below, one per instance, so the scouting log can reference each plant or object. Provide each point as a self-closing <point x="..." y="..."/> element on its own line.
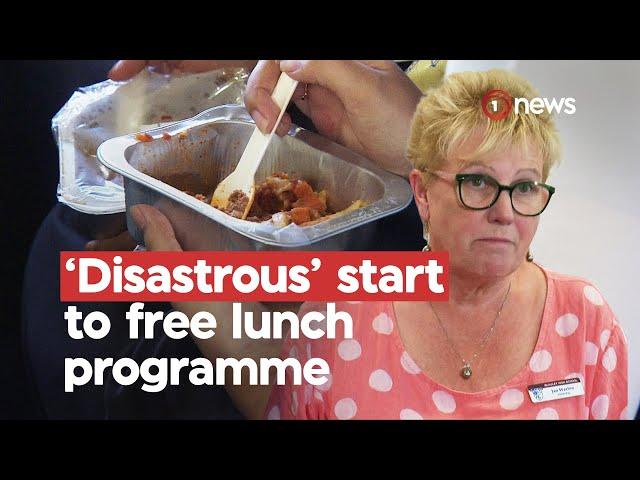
<point x="419" y="193"/>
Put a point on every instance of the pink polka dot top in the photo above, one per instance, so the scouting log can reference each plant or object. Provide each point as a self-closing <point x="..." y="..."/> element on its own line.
<point x="373" y="377"/>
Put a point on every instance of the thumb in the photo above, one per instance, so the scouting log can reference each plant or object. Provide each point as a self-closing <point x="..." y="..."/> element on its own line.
<point x="156" y="228"/>
<point x="122" y="241"/>
<point x="126" y="69"/>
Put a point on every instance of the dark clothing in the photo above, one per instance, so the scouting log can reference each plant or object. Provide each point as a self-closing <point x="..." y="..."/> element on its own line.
<point x="47" y="343"/>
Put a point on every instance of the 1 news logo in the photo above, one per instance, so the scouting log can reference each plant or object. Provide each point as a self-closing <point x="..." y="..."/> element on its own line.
<point x="497" y="105"/>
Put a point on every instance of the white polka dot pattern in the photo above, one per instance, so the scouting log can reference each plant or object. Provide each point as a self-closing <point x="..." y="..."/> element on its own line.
<point x="609" y="359"/>
<point x="274" y="413"/>
<point x="548" y="413"/>
<point x="383" y="324"/>
<point x="590" y="353"/>
<point x="511" y="399"/>
<point x="592" y="294"/>
<point x="349" y="350"/>
<point x="408" y="414"/>
<point x="540" y="361"/>
<point x="345" y="409"/>
<point x="567" y="324"/>
<point x="380" y="381"/>
<point x="408" y="364"/>
<point x="444" y="402"/>
<point x="600" y="407"/>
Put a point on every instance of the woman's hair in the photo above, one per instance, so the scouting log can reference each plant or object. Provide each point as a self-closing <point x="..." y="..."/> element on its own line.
<point x="451" y="112"/>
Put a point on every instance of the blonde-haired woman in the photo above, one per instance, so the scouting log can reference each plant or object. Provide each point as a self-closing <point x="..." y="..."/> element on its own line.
<point x="516" y="339"/>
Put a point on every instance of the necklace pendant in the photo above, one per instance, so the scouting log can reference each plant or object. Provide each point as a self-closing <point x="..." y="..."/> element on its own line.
<point x="466" y="371"/>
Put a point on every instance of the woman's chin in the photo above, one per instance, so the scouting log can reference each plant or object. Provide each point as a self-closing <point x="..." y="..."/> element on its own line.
<point x="487" y="264"/>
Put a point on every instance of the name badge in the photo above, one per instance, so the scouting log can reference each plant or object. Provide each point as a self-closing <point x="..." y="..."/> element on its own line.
<point x="544" y="392"/>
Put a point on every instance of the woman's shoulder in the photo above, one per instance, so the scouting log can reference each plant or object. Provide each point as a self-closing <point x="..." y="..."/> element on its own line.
<point x="575" y="295"/>
<point x="575" y="289"/>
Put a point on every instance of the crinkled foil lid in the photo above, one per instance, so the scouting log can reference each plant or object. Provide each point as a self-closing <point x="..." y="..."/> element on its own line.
<point x="109" y="109"/>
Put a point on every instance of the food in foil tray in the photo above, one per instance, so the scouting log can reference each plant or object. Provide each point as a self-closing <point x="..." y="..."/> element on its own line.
<point x="282" y="200"/>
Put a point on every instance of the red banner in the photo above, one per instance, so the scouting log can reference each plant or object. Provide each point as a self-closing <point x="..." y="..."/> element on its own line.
<point x="295" y="276"/>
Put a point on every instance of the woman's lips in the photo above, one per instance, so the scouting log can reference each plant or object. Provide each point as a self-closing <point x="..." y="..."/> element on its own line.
<point x="495" y="240"/>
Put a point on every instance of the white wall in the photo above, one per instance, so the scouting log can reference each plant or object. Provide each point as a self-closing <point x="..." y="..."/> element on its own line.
<point x="592" y="226"/>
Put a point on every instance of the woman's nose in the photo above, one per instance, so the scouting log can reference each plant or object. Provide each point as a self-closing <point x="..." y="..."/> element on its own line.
<point x="502" y="211"/>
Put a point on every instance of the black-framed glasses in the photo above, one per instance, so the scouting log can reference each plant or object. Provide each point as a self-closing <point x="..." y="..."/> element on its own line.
<point x="479" y="192"/>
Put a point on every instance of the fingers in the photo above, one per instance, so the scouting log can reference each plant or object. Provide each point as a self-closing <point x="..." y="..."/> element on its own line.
<point x="258" y="101"/>
<point x="126" y="69"/>
<point x="385" y="65"/>
<point x="156" y="228"/>
<point x="343" y="77"/>
<point x="198" y="66"/>
<point x="284" y="126"/>
<point x="120" y="242"/>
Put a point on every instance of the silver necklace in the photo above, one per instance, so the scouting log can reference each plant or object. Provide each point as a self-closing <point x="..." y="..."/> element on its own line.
<point x="466" y="370"/>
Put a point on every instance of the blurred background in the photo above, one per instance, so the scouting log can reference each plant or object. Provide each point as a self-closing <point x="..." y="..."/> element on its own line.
<point x="31" y="92"/>
<point x="592" y="229"/>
